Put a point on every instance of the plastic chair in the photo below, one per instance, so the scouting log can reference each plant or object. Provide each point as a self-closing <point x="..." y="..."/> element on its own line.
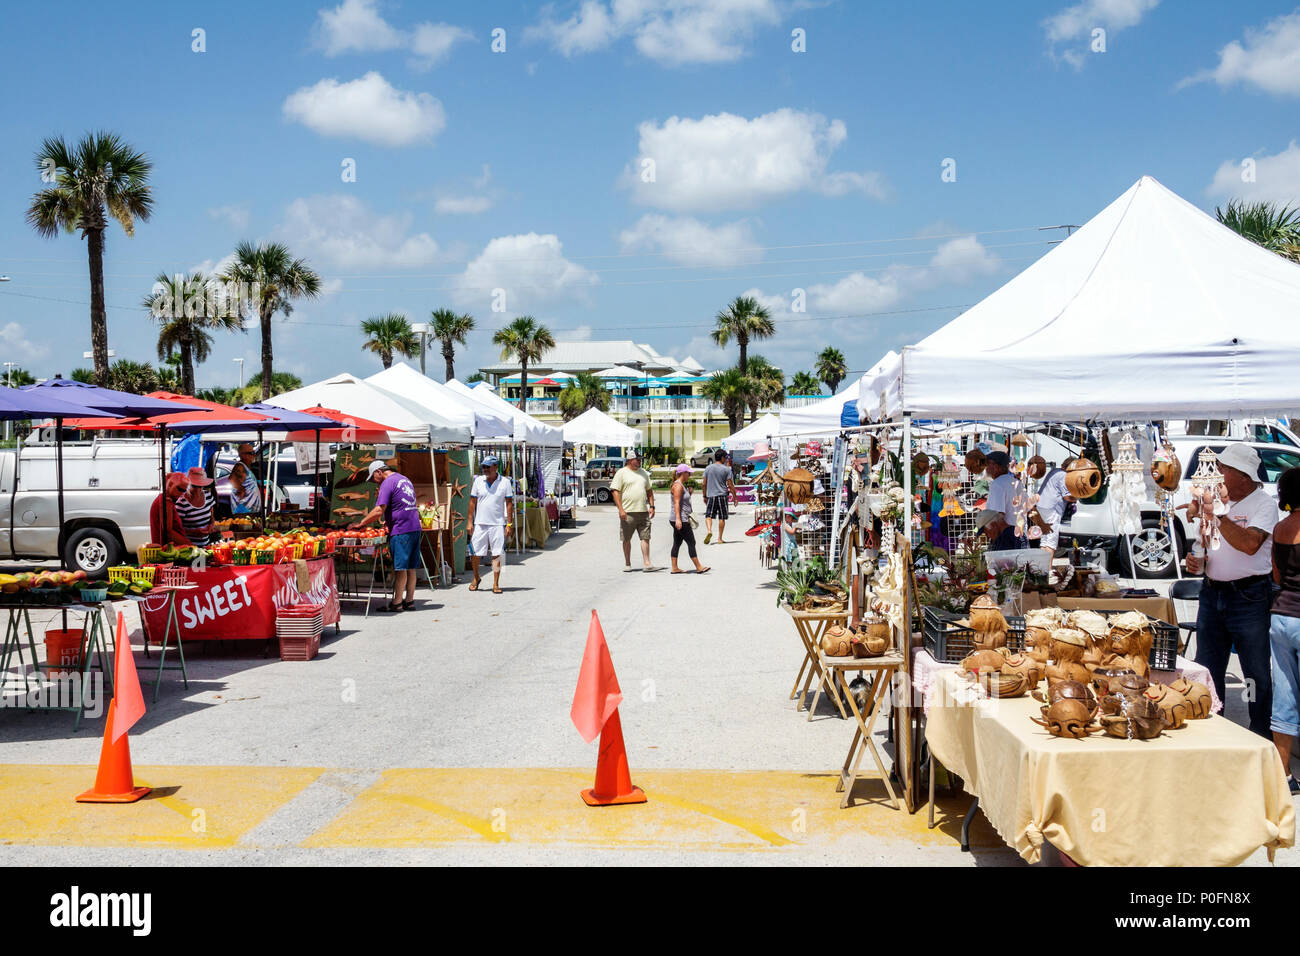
<point x="1186" y="589"/>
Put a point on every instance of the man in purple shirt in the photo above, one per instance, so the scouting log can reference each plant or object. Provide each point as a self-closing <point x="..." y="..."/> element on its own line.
<point x="397" y="504"/>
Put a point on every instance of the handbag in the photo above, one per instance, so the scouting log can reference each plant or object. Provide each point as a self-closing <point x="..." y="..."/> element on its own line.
<point x="695" y="523"/>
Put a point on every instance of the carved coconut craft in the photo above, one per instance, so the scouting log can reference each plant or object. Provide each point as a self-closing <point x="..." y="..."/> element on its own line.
<point x="987" y="622"/>
<point x="1068" y="645"/>
<point x="982" y="660"/>
<point x="835" y="642"/>
<point x="921" y="463"/>
<point x="1036" y="467"/>
<point x="1131" y="718"/>
<point x="1197" y="697"/>
<point x="1039" y="624"/>
<point x="1002" y="683"/>
<point x="1173" y="706"/>
<point x="1068" y="690"/>
<point x="1082" y="478"/>
<point x="1024" y="665"/>
<point x="1131" y="639"/>
<point x="874" y="638"/>
<point x="1102" y="677"/>
<point x="1098" y="643"/>
<point x="1166" y="470"/>
<point x="1066" y="718"/>
<point x="975" y="461"/>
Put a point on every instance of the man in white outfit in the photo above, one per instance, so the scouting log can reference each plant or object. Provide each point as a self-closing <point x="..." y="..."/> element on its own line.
<point x="491" y="516"/>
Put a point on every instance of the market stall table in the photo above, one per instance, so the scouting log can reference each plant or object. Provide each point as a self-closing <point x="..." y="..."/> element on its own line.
<point x="238" y="602"/>
<point x="884" y="668"/>
<point x="537" y="527"/>
<point x="811" y="625"/>
<point x="92" y="651"/>
<point x="1208" y="794"/>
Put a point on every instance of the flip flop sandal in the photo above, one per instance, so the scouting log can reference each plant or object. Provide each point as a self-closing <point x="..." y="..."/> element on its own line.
<point x="703" y="570"/>
<point x="408" y="605"/>
<point x="677" y="572"/>
<point x="474" y="586"/>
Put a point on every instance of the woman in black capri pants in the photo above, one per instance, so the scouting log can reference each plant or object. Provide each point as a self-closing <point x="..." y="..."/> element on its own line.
<point x="679" y="515"/>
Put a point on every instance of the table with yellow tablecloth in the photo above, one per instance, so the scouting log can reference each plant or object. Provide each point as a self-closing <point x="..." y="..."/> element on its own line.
<point x="537" y="528"/>
<point x="1208" y="794"/>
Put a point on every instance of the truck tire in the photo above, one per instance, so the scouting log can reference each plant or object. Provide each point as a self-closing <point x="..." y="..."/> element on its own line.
<point x="1151" y="554"/>
<point x="604" y="496"/>
<point x="93" y="550"/>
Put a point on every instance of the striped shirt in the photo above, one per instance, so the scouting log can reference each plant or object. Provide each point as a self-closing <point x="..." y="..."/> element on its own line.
<point x="194" y="517"/>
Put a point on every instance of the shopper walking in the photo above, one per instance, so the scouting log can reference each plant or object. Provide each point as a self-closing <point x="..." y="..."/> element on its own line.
<point x="396" y="504"/>
<point x="491" y="518"/>
<point x="1236" y="595"/>
<point x="682" y="521"/>
<point x="635" y="500"/>
<point x="1000" y="526"/>
<point x="1285" y="631"/>
<point x="195" y="508"/>
<point x="719" y="487"/>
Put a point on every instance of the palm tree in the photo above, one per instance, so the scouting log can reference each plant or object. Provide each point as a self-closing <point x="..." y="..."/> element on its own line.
<point x="269" y="278"/>
<point x="16" y="377"/>
<point x="101" y="176"/>
<point x="223" y="396"/>
<point x="742" y="320"/>
<point x="730" y="390"/>
<point x="767" y="385"/>
<point x="388" y="334"/>
<point x="831" y="367"/>
<point x="803" y="383"/>
<point x="451" y="330"/>
<point x="188" y="308"/>
<point x="476" y="377"/>
<point x="253" y="392"/>
<point x="138" y="378"/>
<point x="583" y="392"/>
<point x="1265" y="224"/>
<point x="526" y="342"/>
<point x="84" y="375"/>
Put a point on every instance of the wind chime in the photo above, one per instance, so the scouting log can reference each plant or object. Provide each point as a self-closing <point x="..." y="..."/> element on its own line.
<point x="1127" y="487"/>
<point x="949" y="482"/>
<point x="1210" y="496"/>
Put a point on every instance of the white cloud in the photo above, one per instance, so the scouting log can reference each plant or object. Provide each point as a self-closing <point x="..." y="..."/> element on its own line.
<point x="1268" y="59"/>
<point x="16" y="344"/>
<point x="462" y="205"/>
<point x="725" y="161"/>
<point x="431" y="43"/>
<point x="368" y="108"/>
<point x="671" y="32"/>
<point x="1276" y="178"/>
<point x="355" y="26"/>
<point x="342" y="232"/>
<point x="530" y="268"/>
<point x="211" y="267"/>
<point x="1073" y="26"/>
<point x="690" y="241"/>
<point x="235" y="215"/>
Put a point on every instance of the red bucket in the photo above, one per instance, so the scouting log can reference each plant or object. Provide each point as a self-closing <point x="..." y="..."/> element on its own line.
<point x="63" y="650"/>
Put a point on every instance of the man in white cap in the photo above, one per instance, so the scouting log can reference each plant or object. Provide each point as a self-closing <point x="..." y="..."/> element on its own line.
<point x="491" y="517"/>
<point x="1237" y="593"/>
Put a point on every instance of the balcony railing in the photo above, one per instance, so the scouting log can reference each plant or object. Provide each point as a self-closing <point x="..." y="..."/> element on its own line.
<point x="622" y="405"/>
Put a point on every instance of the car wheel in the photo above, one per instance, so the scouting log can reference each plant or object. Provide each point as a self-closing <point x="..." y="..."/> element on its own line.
<point x="603" y="496"/>
<point x="92" y="550"/>
<point x="1149" y="553"/>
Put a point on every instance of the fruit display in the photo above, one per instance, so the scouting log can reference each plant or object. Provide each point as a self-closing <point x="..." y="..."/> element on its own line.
<point x="49" y="587"/>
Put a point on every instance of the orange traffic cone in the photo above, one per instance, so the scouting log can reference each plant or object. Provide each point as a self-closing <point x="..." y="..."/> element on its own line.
<point x="115" y="782"/>
<point x="613" y="778"/>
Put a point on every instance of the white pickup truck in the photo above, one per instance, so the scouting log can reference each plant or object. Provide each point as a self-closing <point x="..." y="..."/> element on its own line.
<point x="108" y="488"/>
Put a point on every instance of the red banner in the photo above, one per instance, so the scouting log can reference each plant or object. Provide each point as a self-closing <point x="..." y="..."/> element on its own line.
<point x="239" y="603"/>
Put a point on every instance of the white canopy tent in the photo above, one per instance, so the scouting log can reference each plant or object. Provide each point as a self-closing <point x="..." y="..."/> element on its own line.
<point x="823" y="416"/>
<point x="405" y="383"/>
<point x="1151" y="310"/>
<point x="761" y="429"/>
<point x="594" y="427"/>
<point x="526" y="427"/>
<point x="409" y="421"/>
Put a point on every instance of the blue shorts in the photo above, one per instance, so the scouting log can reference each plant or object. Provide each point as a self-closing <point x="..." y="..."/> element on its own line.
<point x="405" y="549"/>
<point x="1285" y="636"/>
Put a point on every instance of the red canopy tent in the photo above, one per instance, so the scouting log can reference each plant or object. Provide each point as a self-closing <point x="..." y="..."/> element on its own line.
<point x="352" y="428"/>
<point x="213" y="410"/>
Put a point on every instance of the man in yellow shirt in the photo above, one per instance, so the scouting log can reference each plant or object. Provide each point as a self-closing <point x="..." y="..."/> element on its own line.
<point x="636" y="507"/>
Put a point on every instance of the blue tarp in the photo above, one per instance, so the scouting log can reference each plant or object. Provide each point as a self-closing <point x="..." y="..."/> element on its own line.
<point x="849" y="414"/>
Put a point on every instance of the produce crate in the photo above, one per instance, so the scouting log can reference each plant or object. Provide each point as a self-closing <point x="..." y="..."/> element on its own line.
<point x="949" y="643"/>
<point x="149" y="554"/>
<point x="141" y="575"/>
<point x="330" y="545"/>
<point x="175" y="577"/>
<point x="120" y="573"/>
<point x="241" y="556"/>
<point x="265" y="556"/>
<point x="298" y="629"/>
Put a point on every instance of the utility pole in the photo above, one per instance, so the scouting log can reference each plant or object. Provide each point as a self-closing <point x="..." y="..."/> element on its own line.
<point x="1069" y="231"/>
<point x="241" y="372"/>
<point x="422" y="329"/>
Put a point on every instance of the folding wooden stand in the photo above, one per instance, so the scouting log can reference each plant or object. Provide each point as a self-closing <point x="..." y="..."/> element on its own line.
<point x="812" y="625"/>
<point x="883" y="669"/>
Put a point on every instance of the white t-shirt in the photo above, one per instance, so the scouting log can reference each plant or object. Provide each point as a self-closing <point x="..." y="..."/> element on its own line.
<point x="1051" y="498"/>
<point x="1002" y="491"/>
<point x="1256" y="510"/>
<point x="491" y="507"/>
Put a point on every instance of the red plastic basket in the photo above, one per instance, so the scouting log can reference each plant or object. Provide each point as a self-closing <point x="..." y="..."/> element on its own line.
<point x="174" y="577"/>
<point x="299" y="648"/>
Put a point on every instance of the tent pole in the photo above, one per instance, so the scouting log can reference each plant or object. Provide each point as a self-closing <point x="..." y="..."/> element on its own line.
<point x="316" y="479"/>
<point x="906" y="465"/>
<point x="58" y="464"/>
<point x="261" y="460"/>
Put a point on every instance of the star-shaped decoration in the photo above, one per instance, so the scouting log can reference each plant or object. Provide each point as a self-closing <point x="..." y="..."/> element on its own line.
<point x="457" y="489"/>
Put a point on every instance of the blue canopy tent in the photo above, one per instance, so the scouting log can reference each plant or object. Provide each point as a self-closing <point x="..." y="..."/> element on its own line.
<point x="44" y="398"/>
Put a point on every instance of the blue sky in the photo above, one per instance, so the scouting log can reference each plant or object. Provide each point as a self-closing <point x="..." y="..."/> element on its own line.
<point x="476" y="170"/>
